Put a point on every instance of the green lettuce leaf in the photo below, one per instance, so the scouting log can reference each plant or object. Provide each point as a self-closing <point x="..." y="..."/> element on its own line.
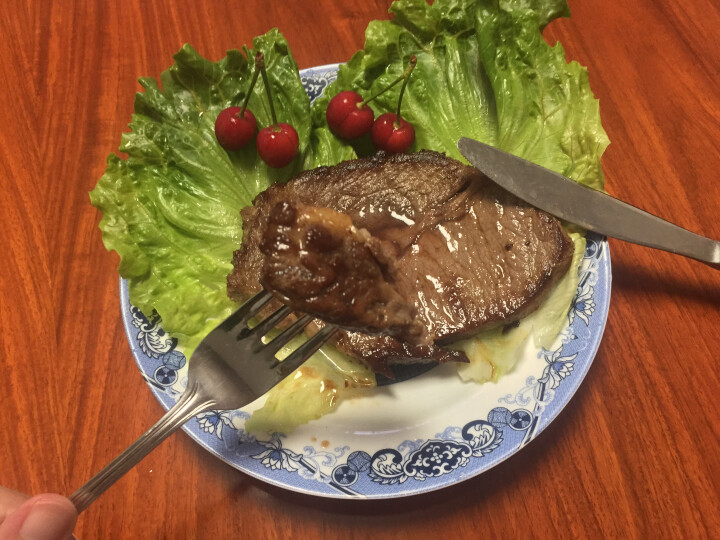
<point x="546" y="111"/>
<point x="311" y="392"/>
<point x="448" y="94"/>
<point x="483" y="71"/>
<point x="171" y="210"/>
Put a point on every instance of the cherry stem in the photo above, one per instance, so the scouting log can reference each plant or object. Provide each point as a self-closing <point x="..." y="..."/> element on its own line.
<point x="403" y="77"/>
<point x="260" y="62"/>
<point x="413" y="61"/>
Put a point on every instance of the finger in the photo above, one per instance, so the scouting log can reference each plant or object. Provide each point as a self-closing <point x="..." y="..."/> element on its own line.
<point x="43" y="517"/>
<point x="10" y="500"/>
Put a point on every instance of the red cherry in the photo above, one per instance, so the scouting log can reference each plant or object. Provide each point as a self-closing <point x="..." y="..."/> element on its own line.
<point x="389" y="135"/>
<point x="234" y="132"/>
<point x="278" y="145"/>
<point x="348" y="116"/>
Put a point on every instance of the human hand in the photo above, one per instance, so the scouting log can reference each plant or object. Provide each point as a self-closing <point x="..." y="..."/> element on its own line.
<point x="43" y="517"/>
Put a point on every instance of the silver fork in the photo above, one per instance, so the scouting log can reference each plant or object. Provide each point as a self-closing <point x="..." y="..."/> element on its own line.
<point x="229" y="369"/>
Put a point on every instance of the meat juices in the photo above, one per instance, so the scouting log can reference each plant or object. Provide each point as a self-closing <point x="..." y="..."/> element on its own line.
<point x="467" y="255"/>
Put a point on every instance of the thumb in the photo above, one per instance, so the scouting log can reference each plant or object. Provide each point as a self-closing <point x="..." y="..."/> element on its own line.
<point x="43" y="517"/>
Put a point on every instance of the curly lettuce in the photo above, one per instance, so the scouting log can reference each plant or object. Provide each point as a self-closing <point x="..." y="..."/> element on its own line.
<point x="171" y="207"/>
<point x="484" y="71"/>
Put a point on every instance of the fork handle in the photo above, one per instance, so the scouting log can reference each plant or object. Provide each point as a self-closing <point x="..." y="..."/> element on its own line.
<point x="191" y="403"/>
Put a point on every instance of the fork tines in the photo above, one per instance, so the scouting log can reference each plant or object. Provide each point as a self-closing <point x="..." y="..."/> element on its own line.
<point x="240" y="322"/>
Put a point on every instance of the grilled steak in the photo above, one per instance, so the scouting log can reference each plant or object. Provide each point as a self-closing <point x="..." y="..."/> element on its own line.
<point x="317" y="262"/>
<point x="468" y="255"/>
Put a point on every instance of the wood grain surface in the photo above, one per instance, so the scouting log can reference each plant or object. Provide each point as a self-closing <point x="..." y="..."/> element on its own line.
<point x="636" y="452"/>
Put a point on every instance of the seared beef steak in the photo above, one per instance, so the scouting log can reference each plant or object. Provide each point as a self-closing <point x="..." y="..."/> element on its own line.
<point x="317" y="262"/>
<point x="469" y="255"/>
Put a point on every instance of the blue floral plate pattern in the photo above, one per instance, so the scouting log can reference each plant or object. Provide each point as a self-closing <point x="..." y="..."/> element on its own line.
<point x="407" y="438"/>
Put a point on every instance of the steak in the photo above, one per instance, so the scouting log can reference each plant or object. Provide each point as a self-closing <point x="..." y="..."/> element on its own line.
<point x="317" y="262"/>
<point x="467" y="255"/>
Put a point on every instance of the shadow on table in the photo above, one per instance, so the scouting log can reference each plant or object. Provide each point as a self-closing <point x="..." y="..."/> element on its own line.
<point x="653" y="281"/>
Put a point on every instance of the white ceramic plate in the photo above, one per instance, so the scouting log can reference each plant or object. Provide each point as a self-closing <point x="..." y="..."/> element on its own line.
<point x="407" y="438"/>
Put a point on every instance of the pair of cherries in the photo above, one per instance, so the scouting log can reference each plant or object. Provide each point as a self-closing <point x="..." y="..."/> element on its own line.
<point x="349" y="117"/>
<point x="235" y="127"/>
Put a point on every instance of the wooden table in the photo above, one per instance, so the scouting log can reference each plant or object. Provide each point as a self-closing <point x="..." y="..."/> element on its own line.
<point x="635" y="453"/>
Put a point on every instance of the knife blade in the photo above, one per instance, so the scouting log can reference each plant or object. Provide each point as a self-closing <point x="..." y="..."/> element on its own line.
<point x="591" y="209"/>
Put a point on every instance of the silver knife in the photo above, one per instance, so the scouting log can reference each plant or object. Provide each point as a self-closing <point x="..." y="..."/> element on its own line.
<point x="591" y="209"/>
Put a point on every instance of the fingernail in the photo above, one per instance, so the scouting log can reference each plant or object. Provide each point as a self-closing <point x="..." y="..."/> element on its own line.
<point x="47" y="520"/>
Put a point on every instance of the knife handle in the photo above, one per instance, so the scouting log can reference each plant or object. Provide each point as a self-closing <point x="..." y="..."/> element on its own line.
<point x="637" y="226"/>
